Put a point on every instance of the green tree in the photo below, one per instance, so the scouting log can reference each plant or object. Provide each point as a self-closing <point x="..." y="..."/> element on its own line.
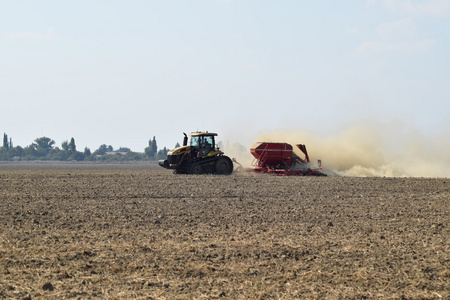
<point x="57" y="154"/>
<point x="5" y="141"/>
<point x="103" y="149"/>
<point x="30" y="152"/>
<point x="177" y="145"/>
<point x="16" y="152"/>
<point x="123" y="149"/>
<point x="162" y="153"/>
<point x="72" y="146"/>
<point x="133" y="156"/>
<point x="69" y="147"/>
<point x="78" y="156"/>
<point x="43" y="146"/>
<point x="87" y="151"/>
<point x="4" y="155"/>
<point x="152" y="149"/>
<point x="65" y="146"/>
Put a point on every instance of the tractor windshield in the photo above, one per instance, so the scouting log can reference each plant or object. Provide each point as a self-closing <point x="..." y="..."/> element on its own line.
<point x="202" y="140"/>
<point x="195" y="141"/>
<point x="208" y="141"/>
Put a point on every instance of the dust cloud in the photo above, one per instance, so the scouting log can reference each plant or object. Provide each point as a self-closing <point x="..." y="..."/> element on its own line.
<point x="239" y="152"/>
<point x="372" y="150"/>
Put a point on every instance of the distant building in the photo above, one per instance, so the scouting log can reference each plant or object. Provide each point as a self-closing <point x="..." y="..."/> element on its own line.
<point x="114" y="153"/>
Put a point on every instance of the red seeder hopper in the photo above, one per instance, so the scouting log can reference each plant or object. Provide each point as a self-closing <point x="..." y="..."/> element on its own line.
<point x="280" y="159"/>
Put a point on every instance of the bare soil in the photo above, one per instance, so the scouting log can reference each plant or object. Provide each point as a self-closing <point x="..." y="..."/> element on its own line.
<point x="135" y="231"/>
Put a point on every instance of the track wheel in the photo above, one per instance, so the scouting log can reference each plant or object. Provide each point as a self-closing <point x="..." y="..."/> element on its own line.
<point x="224" y="166"/>
<point x="196" y="169"/>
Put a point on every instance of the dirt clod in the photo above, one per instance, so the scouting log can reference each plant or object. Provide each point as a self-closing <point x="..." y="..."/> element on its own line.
<point x="48" y="287"/>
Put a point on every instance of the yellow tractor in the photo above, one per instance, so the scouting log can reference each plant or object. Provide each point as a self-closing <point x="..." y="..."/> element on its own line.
<point x="201" y="156"/>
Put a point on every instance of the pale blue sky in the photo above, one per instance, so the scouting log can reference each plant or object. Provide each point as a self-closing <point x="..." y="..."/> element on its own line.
<point x="120" y="72"/>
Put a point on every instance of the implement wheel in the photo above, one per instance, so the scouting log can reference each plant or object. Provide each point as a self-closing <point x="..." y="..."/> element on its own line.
<point x="224" y="166"/>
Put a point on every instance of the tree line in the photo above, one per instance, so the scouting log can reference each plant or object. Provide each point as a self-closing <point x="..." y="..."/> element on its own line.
<point x="44" y="148"/>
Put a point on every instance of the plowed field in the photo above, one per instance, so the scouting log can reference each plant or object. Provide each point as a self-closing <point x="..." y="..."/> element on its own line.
<point x="136" y="231"/>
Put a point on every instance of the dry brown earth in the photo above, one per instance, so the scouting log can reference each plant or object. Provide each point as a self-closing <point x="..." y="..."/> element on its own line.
<point x="134" y="231"/>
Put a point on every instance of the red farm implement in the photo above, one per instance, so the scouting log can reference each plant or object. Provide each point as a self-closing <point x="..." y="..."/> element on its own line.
<point x="280" y="159"/>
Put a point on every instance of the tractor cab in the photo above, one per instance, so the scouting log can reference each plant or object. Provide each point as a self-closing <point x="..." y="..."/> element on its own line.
<point x="203" y="143"/>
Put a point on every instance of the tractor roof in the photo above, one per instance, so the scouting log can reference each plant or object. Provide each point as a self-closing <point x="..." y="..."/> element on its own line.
<point x="198" y="133"/>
